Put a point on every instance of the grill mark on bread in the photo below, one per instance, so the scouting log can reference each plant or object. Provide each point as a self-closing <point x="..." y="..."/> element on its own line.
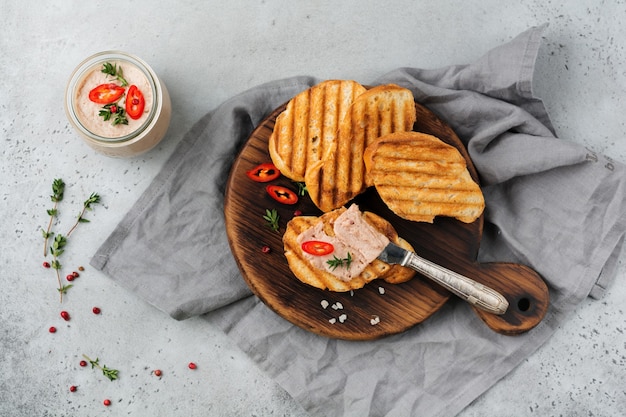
<point x="306" y="129"/>
<point x="315" y="124"/>
<point x="341" y="175"/>
<point x="420" y="177"/>
<point x="334" y="166"/>
<point x="324" y="117"/>
<point x="296" y="128"/>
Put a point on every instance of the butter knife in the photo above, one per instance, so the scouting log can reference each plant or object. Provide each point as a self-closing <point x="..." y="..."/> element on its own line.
<point x="473" y="292"/>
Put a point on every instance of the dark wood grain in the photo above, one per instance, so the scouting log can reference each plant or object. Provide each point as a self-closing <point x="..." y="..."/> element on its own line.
<point x="448" y="242"/>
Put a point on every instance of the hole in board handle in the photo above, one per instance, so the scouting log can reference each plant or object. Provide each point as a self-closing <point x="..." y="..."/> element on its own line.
<point x="523" y="304"/>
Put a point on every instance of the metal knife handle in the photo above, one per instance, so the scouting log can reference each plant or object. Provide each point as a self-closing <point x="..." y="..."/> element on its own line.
<point x="473" y="292"/>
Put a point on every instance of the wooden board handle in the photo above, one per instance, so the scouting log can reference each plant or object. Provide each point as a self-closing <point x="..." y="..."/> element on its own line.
<point x="524" y="289"/>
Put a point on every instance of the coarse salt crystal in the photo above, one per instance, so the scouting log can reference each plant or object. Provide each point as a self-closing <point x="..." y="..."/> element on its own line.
<point x="332" y="321"/>
<point x="337" y="306"/>
<point x="324" y="304"/>
<point x="342" y="318"/>
<point x="374" y="320"/>
<point x="381" y="290"/>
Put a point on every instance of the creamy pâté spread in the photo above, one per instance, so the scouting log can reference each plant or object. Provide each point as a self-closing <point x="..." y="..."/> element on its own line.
<point x="88" y="112"/>
<point x="352" y="235"/>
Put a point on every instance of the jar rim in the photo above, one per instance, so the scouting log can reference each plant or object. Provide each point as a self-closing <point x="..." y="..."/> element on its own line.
<point x="87" y="66"/>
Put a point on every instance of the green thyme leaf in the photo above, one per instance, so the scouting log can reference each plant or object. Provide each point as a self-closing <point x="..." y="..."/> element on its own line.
<point x="57" y="245"/>
<point x="302" y="191"/>
<point x="113" y="109"/>
<point x="110" y="373"/>
<point x="58" y="188"/>
<point x="272" y="218"/>
<point x="114" y="71"/>
<point x="63" y="289"/>
<point x="336" y="262"/>
<point x="87" y="206"/>
<point x="105" y="114"/>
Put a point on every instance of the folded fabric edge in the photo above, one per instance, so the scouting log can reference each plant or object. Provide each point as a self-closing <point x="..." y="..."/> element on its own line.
<point x="608" y="273"/>
<point x="607" y="277"/>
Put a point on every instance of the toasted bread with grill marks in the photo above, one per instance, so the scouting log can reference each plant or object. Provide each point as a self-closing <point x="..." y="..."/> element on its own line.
<point x="307" y="127"/>
<point x="309" y="274"/>
<point x="340" y="174"/>
<point x="420" y="177"/>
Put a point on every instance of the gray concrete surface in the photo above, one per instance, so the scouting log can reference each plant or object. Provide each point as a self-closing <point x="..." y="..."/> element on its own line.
<point x="206" y="52"/>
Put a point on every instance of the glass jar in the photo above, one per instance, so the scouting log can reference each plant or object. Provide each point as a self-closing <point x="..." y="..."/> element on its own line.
<point x="107" y="126"/>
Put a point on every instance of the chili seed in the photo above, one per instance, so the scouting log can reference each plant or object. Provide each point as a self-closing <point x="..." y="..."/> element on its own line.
<point x="266" y="249"/>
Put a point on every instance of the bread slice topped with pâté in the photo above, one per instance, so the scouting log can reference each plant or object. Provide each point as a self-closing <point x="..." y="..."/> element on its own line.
<point x="319" y="273"/>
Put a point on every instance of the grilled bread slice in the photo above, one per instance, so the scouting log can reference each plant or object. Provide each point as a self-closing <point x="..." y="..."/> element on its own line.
<point x="340" y="174"/>
<point x="306" y="272"/>
<point x="420" y="177"/>
<point x="307" y="127"/>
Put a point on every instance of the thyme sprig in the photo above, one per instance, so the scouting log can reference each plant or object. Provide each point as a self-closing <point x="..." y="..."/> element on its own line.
<point x="93" y="199"/>
<point x="56" y="250"/>
<point x="114" y="71"/>
<point x="272" y="218"/>
<point x="336" y="262"/>
<point x="57" y="247"/>
<point x="58" y="188"/>
<point x="302" y="190"/>
<point x="113" y="109"/>
<point x="112" y="374"/>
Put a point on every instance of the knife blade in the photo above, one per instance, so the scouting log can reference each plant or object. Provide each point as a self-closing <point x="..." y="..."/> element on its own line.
<point x="473" y="292"/>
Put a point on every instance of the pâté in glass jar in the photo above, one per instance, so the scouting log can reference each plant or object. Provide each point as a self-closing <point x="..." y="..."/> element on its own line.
<point x="118" y="105"/>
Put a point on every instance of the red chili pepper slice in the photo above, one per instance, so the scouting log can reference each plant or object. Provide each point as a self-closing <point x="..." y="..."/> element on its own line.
<point x="282" y="194"/>
<point x="135" y="102"/>
<point x="263" y="173"/>
<point x="318" y="247"/>
<point x="106" y="93"/>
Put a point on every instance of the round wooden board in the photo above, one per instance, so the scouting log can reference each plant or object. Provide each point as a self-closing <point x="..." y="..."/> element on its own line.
<point x="398" y="307"/>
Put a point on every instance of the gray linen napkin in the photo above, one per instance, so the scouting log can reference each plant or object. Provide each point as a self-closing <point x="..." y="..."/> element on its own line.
<point x="172" y="249"/>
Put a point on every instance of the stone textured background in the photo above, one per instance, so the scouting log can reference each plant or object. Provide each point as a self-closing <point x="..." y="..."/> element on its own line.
<point x="206" y="52"/>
